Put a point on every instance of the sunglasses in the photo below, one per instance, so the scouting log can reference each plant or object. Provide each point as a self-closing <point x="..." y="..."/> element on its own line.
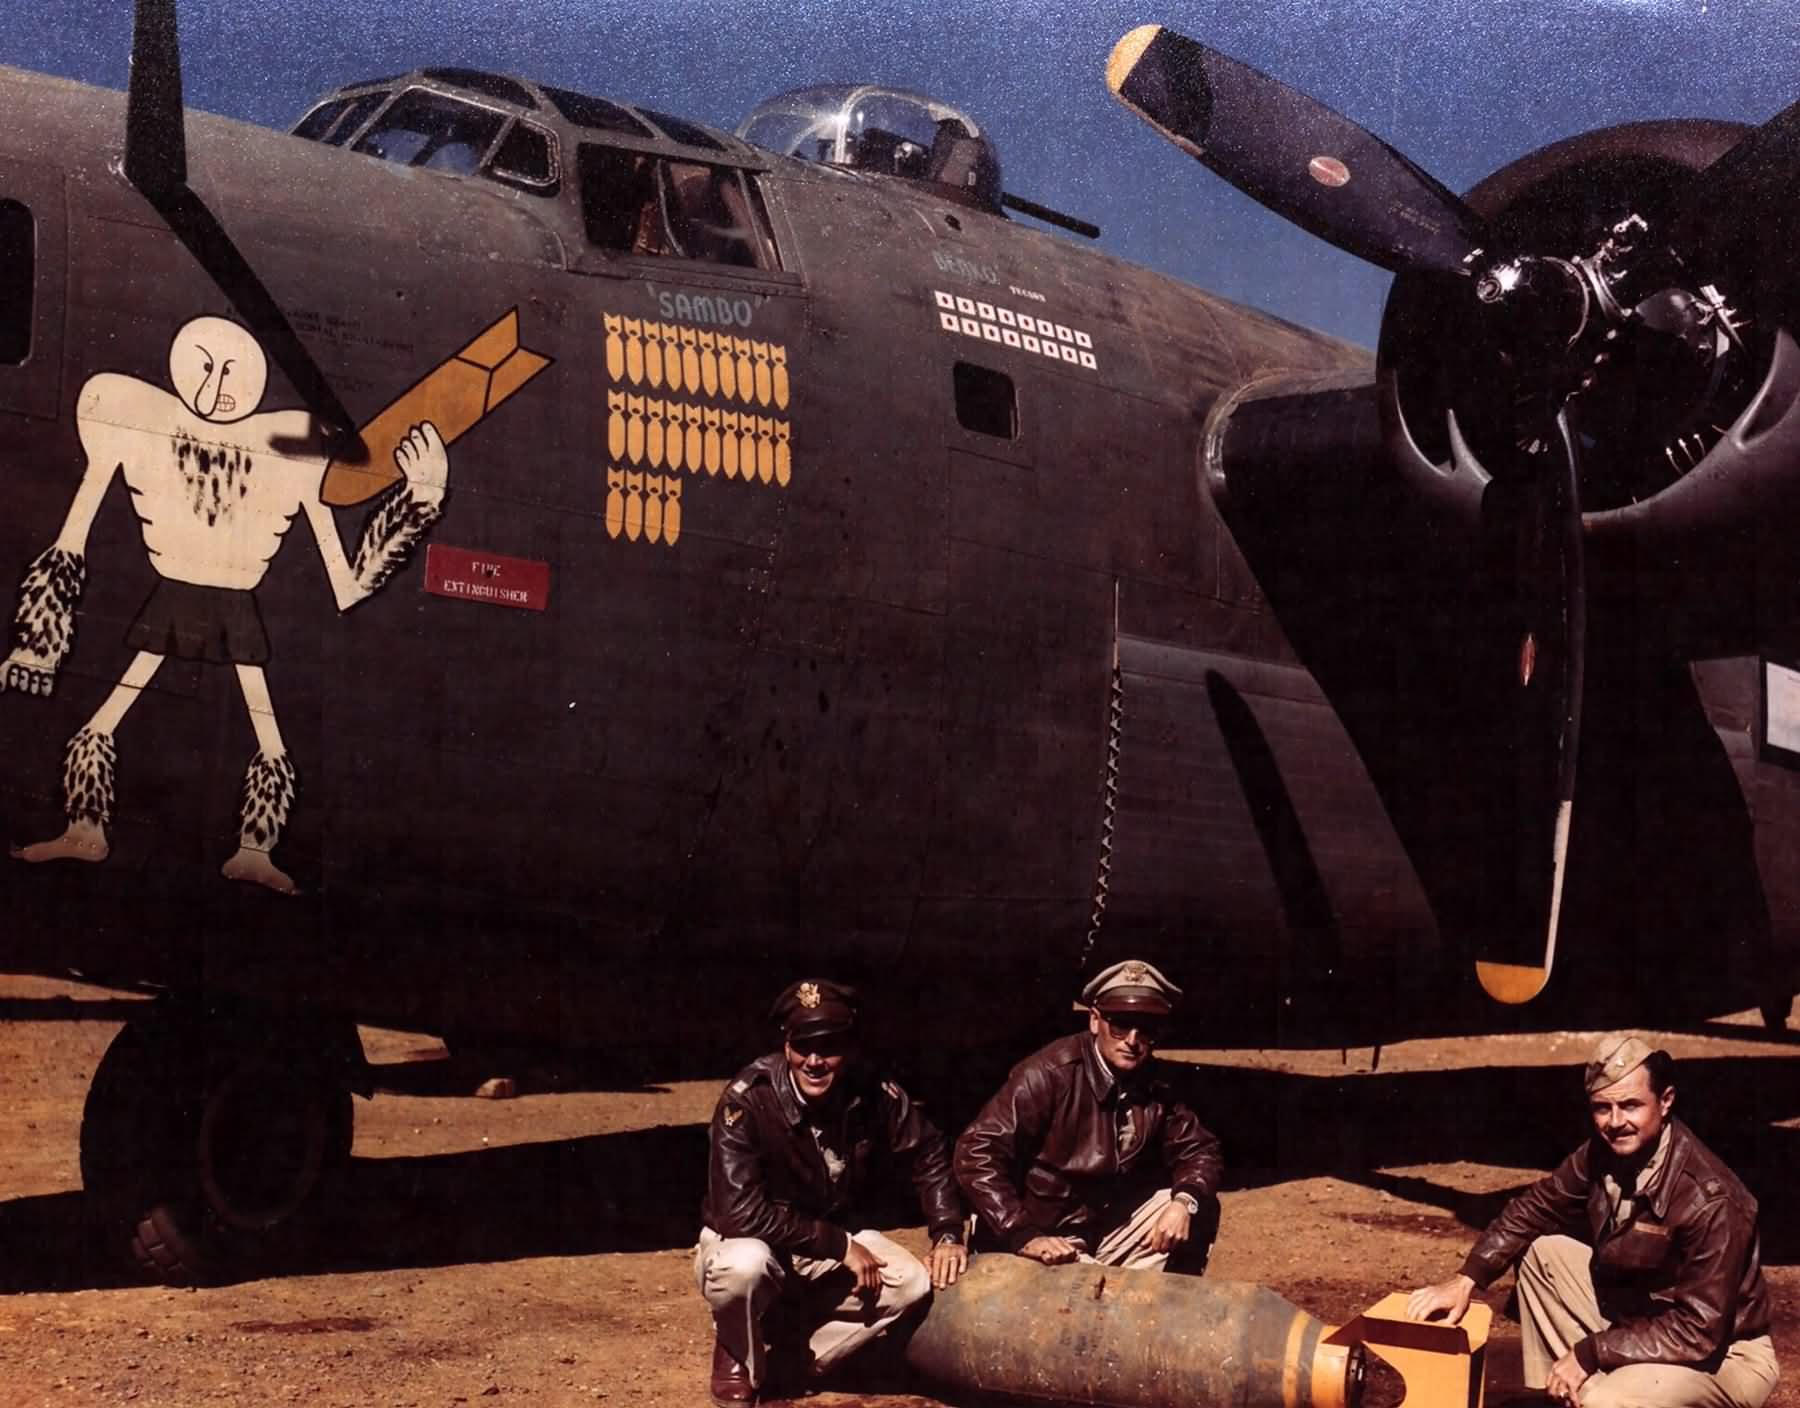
<point x="1149" y="1029"/>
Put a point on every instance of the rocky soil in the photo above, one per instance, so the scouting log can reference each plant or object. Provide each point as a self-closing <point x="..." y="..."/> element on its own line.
<point x="538" y="1249"/>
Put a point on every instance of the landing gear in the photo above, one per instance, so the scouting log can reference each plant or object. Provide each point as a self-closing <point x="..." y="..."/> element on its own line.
<point x="209" y="1133"/>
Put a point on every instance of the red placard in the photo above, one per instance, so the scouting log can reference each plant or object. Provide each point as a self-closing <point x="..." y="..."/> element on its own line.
<point x="488" y="577"/>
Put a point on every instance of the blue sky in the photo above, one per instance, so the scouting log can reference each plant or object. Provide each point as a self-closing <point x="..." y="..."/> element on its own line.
<point x="1460" y="85"/>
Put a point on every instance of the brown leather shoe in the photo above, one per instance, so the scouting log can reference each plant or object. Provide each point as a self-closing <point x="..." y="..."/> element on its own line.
<point x="731" y="1386"/>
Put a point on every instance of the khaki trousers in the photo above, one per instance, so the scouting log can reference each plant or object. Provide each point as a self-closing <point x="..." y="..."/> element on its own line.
<point x="1558" y="1306"/>
<point x="1128" y="1244"/>
<point x="743" y="1278"/>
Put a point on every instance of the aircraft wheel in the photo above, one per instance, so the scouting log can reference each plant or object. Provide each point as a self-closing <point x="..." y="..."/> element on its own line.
<point x="168" y="1246"/>
<point x="207" y="1138"/>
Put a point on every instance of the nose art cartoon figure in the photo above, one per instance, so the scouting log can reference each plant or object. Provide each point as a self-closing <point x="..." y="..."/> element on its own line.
<point x="215" y="485"/>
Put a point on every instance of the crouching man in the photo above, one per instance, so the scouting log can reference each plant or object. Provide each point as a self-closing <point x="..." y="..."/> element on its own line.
<point x="796" y="1143"/>
<point x="1085" y="1153"/>
<point x="1660" y="1301"/>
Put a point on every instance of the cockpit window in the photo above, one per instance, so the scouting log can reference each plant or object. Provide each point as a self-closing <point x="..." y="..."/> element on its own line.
<point x="884" y="130"/>
<point x="708" y="214"/>
<point x="318" y="122"/>
<point x="638" y="203"/>
<point x="336" y="119"/>
<point x="443" y="133"/>
<point x="595" y="113"/>
<point x="685" y="132"/>
<point x="360" y="111"/>
<point x="524" y="157"/>
<point x="428" y="129"/>
<point x="619" y="199"/>
<point x="489" y="85"/>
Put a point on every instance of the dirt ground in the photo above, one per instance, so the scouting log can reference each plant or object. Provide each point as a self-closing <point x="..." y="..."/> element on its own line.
<point x="538" y="1250"/>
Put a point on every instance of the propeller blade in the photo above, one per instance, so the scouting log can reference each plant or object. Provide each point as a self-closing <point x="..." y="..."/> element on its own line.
<point x="155" y="136"/>
<point x="1725" y="203"/>
<point x="1541" y="511"/>
<point x="156" y="164"/>
<point x="1304" y="161"/>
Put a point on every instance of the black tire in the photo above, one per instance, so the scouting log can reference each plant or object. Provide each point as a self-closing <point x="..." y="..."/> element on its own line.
<point x="169" y="1246"/>
<point x="207" y="1137"/>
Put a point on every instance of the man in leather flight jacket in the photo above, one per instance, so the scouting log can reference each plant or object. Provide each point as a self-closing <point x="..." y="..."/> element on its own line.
<point x="1085" y="1153"/>
<point x="1660" y="1302"/>
<point x="797" y="1140"/>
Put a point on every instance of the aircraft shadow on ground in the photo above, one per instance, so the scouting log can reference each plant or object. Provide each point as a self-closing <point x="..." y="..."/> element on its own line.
<point x="1359" y="1127"/>
<point x="640" y="1190"/>
<point x="70" y="1009"/>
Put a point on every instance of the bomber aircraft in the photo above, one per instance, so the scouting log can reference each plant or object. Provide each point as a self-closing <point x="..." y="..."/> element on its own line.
<point x="594" y="561"/>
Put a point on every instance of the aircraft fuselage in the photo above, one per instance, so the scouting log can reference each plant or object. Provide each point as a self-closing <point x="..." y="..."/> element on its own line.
<point x="868" y="613"/>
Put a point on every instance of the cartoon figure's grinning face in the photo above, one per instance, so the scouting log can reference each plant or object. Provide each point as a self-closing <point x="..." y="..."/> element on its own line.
<point x="217" y="369"/>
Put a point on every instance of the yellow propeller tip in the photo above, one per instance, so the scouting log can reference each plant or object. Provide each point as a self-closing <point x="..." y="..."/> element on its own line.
<point x="1127" y="52"/>
<point x="1511" y="983"/>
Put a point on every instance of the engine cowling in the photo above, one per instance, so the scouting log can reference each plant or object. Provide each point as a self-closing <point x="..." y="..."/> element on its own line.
<point x="1689" y="447"/>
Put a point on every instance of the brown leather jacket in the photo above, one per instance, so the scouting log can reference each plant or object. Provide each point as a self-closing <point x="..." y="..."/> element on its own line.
<point x="1680" y="1279"/>
<point x="1042" y="1157"/>
<point x="767" y="1175"/>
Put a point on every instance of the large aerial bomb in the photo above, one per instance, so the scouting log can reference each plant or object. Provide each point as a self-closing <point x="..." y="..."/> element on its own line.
<point x="1129" y="1339"/>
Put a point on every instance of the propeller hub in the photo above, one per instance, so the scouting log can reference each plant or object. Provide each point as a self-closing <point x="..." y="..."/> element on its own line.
<point x="1612" y="324"/>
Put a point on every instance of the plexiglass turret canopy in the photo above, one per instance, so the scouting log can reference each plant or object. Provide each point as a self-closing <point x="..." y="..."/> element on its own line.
<point x="867" y="127"/>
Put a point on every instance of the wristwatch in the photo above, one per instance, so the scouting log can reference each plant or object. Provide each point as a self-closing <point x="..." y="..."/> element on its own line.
<point x="948" y="1239"/>
<point x="1190" y="1202"/>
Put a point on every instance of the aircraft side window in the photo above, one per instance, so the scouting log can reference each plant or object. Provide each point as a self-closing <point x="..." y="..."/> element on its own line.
<point x="709" y="216"/>
<point x="18" y="281"/>
<point x="359" y="111"/>
<point x="757" y="217"/>
<point x="986" y="402"/>
<point x="422" y="128"/>
<point x="619" y="200"/>
<point x="524" y="158"/>
<point x="636" y="203"/>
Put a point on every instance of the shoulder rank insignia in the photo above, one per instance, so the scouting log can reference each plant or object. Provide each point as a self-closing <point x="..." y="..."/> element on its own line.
<point x="740" y="1086"/>
<point x="733" y="1113"/>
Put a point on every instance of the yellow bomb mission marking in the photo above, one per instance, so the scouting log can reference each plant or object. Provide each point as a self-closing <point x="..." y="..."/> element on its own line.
<point x="652" y="439"/>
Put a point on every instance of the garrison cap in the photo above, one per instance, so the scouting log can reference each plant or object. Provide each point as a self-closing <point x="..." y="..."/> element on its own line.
<point x="815" y="1007"/>
<point x="1131" y="986"/>
<point x="1614" y="1058"/>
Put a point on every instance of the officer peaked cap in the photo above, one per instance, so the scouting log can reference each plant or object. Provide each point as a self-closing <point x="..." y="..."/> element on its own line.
<point x="815" y="1007"/>
<point x="1132" y="987"/>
